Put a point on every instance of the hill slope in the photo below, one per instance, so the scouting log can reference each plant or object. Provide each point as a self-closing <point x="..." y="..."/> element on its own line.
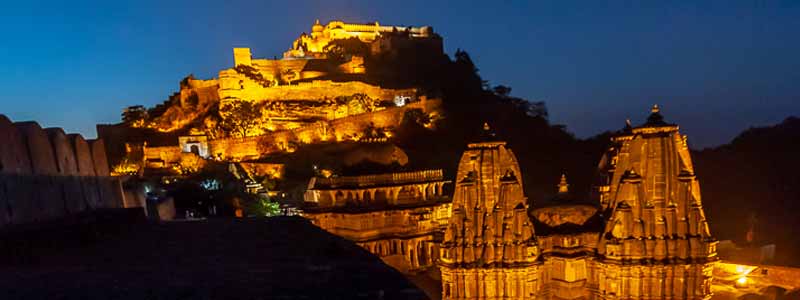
<point x="755" y="181"/>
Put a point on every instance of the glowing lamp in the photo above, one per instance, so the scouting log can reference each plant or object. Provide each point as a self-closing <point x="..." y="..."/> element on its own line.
<point x="742" y="281"/>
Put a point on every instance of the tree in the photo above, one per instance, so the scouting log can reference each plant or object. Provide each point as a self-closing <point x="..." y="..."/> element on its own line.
<point x="240" y="117"/>
<point x="340" y="50"/>
<point x="135" y="116"/>
<point x="261" y="206"/>
<point x="502" y="91"/>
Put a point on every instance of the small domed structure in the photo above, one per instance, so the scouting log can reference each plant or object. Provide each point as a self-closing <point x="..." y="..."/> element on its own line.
<point x="317" y="27"/>
<point x="563" y="209"/>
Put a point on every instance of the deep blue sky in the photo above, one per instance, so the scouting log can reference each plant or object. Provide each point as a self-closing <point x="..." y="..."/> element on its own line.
<point x="717" y="67"/>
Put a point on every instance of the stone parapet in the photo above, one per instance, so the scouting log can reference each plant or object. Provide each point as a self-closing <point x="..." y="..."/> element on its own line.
<point x="47" y="174"/>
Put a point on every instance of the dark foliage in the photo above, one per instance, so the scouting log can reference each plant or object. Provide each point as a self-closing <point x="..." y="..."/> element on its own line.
<point x="544" y="151"/>
<point x="340" y="50"/>
<point x="241" y="117"/>
<point x="754" y="181"/>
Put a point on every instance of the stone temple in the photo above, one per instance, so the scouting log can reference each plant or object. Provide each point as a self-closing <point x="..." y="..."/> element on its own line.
<point x="646" y="237"/>
<point x="489" y="250"/>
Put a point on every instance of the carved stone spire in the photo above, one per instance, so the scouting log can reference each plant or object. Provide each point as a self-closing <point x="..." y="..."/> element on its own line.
<point x="655" y="118"/>
<point x="654" y="210"/>
<point x="563" y="186"/>
<point x="490" y="233"/>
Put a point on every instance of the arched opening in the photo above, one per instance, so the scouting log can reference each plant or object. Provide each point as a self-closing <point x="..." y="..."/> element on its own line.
<point x="194" y="149"/>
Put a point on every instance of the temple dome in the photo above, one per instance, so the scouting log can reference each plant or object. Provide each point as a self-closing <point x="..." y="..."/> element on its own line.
<point x="317" y="27"/>
<point x="563" y="208"/>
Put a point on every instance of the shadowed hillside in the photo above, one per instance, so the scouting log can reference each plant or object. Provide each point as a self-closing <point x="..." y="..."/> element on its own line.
<point x="276" y="258"/>
<point x="754" y="181"/>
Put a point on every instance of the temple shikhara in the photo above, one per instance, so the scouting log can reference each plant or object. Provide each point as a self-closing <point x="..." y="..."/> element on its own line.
<point x="645" y="238"/>
<point x="343" y="133"/>
<point x="489" y="250"/>
<point x="656" y="239"/>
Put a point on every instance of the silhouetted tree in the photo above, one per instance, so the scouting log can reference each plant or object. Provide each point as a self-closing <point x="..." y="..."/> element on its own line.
<point x="502" y="91"/>
<point x="134" y="116"/>
<point x="240" y="117"/>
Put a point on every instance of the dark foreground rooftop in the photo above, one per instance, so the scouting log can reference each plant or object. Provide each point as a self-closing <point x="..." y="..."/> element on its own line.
<point x="277" y="258"/>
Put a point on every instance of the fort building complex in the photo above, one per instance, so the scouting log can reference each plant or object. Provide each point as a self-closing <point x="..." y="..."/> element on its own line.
<point x="641" y="235"/>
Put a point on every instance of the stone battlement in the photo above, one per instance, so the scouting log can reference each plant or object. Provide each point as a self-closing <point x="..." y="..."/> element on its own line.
<point x="423" y="31"/>
<point x="238" y="148"/>
<point x="234" y="86"/>
<point x="46" y="174"/>
<point x="314" y="45"/>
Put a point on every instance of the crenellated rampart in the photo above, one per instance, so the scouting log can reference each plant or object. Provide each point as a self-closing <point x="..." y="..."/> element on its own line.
<point x="339" y="129"/>
<point x="46" y="174"/>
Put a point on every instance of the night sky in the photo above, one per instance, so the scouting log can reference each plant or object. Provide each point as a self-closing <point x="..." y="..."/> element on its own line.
<point x="716" y="67"/>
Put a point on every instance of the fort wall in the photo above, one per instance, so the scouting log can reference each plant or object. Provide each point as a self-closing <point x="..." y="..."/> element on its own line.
<point x="83" y="155"/>
<point x="13" y="153"/>
<point x="233" y="85"/>
<point x="340" y="129"/>
<point x="47" y="174"/>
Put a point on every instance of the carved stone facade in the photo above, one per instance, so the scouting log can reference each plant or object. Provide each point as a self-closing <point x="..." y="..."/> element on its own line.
<point x="656" y="241"/>
<point x="646" y="238"/>
<point x="392" y="189"/>
<point x="489" y="250"/>
<point x="397" y="216"/>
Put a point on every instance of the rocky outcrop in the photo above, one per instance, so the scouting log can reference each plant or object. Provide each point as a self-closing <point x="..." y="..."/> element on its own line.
<point x="194" y="102"/>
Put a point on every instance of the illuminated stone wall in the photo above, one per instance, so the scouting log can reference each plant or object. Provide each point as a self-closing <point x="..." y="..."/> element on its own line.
<point x="46" y="174"/>
<point x="349" y="128"/>
<point x="194" y="100"/>
<point x="236" y="86"/>
<point x="161" y="157"/>
<point x="313" y="45"/>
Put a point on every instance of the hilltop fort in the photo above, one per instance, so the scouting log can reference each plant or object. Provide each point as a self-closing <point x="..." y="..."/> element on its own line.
<point x="324" y="88"/>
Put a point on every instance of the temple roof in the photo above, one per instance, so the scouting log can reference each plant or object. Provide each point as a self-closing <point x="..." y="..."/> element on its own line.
<point x="655" y="124"/>
<point x="486" y="139"/>
<point x="594" y="223"/>
<point x="564" y="213"/>
<point x="564" y="197"/>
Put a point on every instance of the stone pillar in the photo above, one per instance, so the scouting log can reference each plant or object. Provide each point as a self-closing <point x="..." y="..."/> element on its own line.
<point x="395" y="194"/>
<point x="332" y="194"/>
<point x="372" y="195"/>
<point x="360" y="196"/>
